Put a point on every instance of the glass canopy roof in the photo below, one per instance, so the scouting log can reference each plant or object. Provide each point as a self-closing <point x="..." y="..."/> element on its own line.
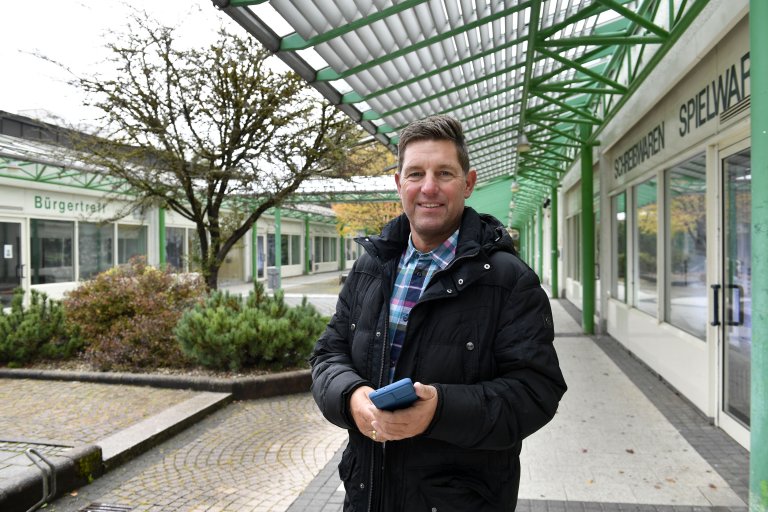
<point x="553" y="72"/>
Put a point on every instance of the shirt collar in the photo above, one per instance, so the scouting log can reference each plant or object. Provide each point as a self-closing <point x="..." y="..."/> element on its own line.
<point x="441" y="255"/>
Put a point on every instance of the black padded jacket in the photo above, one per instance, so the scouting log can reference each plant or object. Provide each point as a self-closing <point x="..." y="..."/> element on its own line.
<point x="482" y="334"/>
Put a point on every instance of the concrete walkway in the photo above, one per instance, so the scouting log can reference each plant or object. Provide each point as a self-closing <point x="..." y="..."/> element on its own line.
<point x="622" y="440"/>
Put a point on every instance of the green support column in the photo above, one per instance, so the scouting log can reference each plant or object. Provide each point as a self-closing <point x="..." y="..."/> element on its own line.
<point x="540" y="234"/>
<point x="758" y="465"/>
<point x="307" y="246"/>
<point x="555" y="263"/>
<point x="342" y="253"/>
<point x="278" y="246"/>
<point x="161" y="236"/>
<point x="587" y="237"/>
<point x="254" y="254"/>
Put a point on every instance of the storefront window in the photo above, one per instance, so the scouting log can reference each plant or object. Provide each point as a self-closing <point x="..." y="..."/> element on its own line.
<point x="131" y="241"/>
<point x="295" y="249"/>
<point x="52" y="245"/>
<point x="174" y="248"/>
<point x="646" y="234"/>
<point x="194" y="256"/>
<point x="94" y="248"/>
<point x="284" y="248"/>
<point x="619" y="216"/>
<point x="686" y="226"/>
<point x="574" y="247"/>
<point x="271" y="250"/>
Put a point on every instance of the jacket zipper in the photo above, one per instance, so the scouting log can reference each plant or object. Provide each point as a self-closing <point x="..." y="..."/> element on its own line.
<point x="385" y="343"/>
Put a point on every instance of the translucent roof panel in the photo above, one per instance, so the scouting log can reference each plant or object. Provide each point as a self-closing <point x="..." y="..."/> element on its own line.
<point x="543" y="68"/>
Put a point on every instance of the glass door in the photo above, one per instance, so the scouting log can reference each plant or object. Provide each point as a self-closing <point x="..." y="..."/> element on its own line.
<point x="736" y="282"/>
<point x="11" y="265"/>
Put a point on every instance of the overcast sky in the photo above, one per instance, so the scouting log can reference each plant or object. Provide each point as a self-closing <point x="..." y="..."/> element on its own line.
<point x="74" y="32"/>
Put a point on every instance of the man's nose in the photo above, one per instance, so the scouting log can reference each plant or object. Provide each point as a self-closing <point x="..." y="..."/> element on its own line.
<point x="429" y="185"/>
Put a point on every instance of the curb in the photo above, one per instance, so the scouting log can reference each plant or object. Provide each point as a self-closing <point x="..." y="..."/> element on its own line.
<point x="74" y="468"/>
<point x="247" y="388"/>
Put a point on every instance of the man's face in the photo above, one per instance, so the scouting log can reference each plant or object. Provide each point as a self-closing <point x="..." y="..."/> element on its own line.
<point x="432" y="188"/>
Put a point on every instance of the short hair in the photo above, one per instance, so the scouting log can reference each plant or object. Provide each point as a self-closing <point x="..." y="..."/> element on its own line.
<point x="439" y="127"/>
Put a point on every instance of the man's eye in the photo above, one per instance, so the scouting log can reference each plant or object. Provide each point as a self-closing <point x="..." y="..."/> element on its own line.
<point x="415" y="175"/>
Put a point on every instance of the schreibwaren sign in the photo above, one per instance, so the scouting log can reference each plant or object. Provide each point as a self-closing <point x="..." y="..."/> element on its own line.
<point x="648" y="145"/>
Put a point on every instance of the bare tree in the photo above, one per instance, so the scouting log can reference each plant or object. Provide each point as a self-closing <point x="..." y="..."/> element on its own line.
<point x="213" y="133"/>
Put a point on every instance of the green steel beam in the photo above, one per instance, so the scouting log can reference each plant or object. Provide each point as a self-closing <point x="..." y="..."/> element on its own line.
<point x="581" y="15"/>
<point x="680" y="27"/>
<point x="295" y="42"/>
<point x="635" y="18"/>
<point x="616" y="40"/>
<point x="554" y="279"/>
<point x="540" y="237"/>
<point x="329" y="74"/>
<point x="565" y="106"/>
<point x="254" y="253"/>
<point x="354" y="97"/>
<point x="279" y="245"/>
<point x="243" y="3"/>
<point x="758" y="458"/>
<point x="307" y="247"/>
<point x="161" y="237"/>
<point x="587" y="238"/>
<point x="582" y="69"/>
<point x="533" y="34"/>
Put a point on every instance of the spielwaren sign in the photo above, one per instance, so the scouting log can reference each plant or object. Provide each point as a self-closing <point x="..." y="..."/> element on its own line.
<point x="696" y="108"/>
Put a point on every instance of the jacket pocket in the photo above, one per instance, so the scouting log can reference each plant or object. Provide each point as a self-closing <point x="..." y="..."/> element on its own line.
<point x="355" y="486"/>
<point x="454" y="490"/>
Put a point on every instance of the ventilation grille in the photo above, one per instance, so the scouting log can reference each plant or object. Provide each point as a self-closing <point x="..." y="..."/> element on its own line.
<point x="735" y="110"/>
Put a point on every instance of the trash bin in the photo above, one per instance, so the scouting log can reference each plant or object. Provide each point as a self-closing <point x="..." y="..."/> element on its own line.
<point x="273" y="278"/>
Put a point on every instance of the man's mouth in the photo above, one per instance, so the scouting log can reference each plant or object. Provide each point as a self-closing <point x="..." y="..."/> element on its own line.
<point x="430" y="205"/>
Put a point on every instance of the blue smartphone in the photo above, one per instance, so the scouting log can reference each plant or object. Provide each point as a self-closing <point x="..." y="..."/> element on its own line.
<point x="397" y="395"/>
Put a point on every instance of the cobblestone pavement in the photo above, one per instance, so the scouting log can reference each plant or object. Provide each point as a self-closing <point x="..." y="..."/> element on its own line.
<point x="76" y="413"/>
<point x="252" y="456"/>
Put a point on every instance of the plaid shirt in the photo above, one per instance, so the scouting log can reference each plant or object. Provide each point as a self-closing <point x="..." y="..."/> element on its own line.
<point x="414" y="272"/>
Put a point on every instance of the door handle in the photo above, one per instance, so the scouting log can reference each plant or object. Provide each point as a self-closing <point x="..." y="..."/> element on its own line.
<point x="716" y="302"/>
<point x="740" y="302"/>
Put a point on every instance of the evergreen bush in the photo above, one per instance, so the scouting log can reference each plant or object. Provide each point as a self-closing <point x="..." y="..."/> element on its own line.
<point x="125" y="316"/>
<point x="223" y="332"/>
<point x="38" y="331"/>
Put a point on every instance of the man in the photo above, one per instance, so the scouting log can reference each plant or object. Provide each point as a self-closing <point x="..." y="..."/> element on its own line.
<point x="439" y="297"/>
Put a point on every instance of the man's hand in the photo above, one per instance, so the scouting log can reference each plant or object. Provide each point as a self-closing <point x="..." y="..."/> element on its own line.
<point x="362" y="409"/>
<point x="408" y="422"/>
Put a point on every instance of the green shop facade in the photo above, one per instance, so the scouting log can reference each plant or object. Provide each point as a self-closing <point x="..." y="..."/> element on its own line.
<point x="54" y="231"/>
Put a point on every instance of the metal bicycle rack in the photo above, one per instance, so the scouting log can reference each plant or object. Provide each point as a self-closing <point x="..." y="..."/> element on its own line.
<point x="48" y="470"/>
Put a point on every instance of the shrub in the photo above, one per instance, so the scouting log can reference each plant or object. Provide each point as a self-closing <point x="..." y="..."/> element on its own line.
<point x="226" y="333"/>
<point x="125" y="316"/>
<point x="35" y="332"/>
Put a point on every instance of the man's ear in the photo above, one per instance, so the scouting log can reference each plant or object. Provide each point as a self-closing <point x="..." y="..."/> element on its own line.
<point x="471" y="179"/>
<point x="397" y="182"/>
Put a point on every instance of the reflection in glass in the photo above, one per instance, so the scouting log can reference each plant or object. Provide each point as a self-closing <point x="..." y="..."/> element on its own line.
<point x="619" y="215"/>
<point x="51" y="246"/>
<point x="737" y="285"/>
<point x="94" y="248"/>
<point x="174" y="248"/>
<point x="131" y="241"/>
<point x="646" y="231"/>
<point x="270" y="250"/>
<point x="687" y="234"/>
<point x="284" y="254"/>
<point x="295" y="249"/>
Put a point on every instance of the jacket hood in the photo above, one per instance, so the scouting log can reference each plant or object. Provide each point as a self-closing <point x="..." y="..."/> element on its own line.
<point x="477" y="231"/>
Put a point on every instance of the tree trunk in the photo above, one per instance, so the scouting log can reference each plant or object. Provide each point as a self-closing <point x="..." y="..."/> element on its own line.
<point x="212" y="277"/>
